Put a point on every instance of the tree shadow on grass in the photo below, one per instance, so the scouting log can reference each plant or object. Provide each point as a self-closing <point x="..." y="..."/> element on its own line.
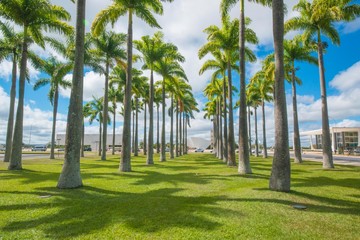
<point x="327" y="181"/>
<point x="90" y="209"/>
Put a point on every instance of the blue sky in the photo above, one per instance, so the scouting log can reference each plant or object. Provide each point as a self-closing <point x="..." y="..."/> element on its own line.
<point x="182" y="24"/>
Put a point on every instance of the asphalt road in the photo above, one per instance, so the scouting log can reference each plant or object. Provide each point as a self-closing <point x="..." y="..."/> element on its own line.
<point x="29" y="156"/>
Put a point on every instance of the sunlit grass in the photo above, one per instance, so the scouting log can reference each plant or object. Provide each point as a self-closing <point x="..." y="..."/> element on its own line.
<point x="192" y="197"/>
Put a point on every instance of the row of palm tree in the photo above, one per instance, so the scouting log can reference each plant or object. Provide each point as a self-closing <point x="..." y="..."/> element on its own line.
<point x="317" y="19"/>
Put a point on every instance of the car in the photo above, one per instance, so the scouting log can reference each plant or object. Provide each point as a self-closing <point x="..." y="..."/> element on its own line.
<point x="2" y="148"/>
<point x="167" y="149"/>
<point x="199" y="150"/>
<point x="88" y="149"/>
<point x="39" y="148"/>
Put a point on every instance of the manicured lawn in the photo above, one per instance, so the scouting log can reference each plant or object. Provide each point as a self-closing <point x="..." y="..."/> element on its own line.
<point x="192" y="197"/>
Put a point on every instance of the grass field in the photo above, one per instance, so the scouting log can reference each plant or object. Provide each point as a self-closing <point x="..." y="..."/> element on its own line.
<point x="192" y="197"/>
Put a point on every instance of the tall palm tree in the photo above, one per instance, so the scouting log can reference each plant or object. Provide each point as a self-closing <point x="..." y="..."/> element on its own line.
<point x="115" y="95"/>
<point x="317" y="19"/>
<point x="35" y="16"/>
<point x="142" y="9"/>
<point x="265" y="90"/>
<point x="108" y="48"/>
<point x="226" y="5"/>
<point x="70" y="176"/>
<point x="157" y="101"/>
<point x="86" y="113"/>
<point x="56" y="71"/>
<point x="295" y="50"/>
<point x="152" y="49"/>
<point x="10" y="46"/>
<point x="280" y="172"/>
<point x="169" y="68"/>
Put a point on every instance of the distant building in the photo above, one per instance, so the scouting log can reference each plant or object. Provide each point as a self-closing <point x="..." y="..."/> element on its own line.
<point x="197" y="142"/>
<point x="341" y="137"/>
<point x="92" y="140"/>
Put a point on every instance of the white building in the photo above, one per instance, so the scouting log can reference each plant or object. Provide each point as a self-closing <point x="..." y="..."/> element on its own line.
<point x="92" y="140"/>
<point x="197" y="142"/>
<point x="341" y="137"/>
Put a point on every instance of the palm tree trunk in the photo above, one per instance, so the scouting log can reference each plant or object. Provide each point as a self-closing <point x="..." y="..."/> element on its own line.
<point x="133" y="132"/>
<point x="244" y="159"/>
<point x="184" y="126"/>
<point x="10" y="126"/>
<point x="214" y="135"/>
<point x="157" y="130"/>
<point x="136" y="148"/>
<point x="145" y="139"/>
<point x="225" y="147"/>
<point x="297" y="144"/>
<point x="56" y="100"/>
<point x="114" y="126"/>
<point x="100" y="135"/>
<point x="150" y="156"/>
<point x="105" y="110"/>
<point x="265" y="155"/>
<point x="70" y="175"/>
<point x="218" y="117"/>
<point x="172" y="129"/>
<point x="125" y="162"/>
<point x="280" y="172"/>
<point x="231" y="138"/>
<point x="249" y="124"/>
<point x="82" y="139"/>
<point x="186" y="132"/>
<point x="163" y="143"/>
<point x="16" y="149"/>
<point x="177" y="130"/>
<point x="326" y="140"/>
<point x="256" y="134"/>
<point x="221" y="145"/>
<point x="180" y="135"/>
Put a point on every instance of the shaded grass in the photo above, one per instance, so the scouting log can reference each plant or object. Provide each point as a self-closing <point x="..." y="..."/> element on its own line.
<point x="192" y="197"/>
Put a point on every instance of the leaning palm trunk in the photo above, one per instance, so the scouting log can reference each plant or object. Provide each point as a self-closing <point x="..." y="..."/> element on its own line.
<point x="225" y="147"/>
<point x="105" y="111"/>
<point x="10" y="126"/>
<point x="56" y="100"/>
<point x="326" y="142"/>
<point x="70" y="175"/>
<point x="297" y="145"/>
<point x="265" y="155"/>
<point x="280" y="172"/>
<point x="16" y="148"/>
<point x="150" y="156"/>
<point x="163" y="143"/>
<point x="136" y="142"/>
<point x="231" y="137"/>
<point x="244" y="159"/>
<point x="125" y="163"/>
<point x="256" y="134"/>
<point x="172" y="129"/>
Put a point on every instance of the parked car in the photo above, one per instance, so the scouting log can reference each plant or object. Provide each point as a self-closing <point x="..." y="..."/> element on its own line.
<point x="199" y="150"/>
<point x="167" y="149"/>
<point x="88" y="149"/>
<point x="39" y="148"/>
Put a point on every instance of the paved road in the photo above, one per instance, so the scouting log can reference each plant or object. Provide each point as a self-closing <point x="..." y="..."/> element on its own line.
<point x="29" y="156"/>
<point x="338" y="159"/>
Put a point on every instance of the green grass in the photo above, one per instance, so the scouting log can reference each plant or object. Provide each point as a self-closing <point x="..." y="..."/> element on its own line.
<point x="192" y="197"/>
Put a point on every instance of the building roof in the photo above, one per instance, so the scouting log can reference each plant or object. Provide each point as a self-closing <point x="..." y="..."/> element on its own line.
<point x="332" y="130"/>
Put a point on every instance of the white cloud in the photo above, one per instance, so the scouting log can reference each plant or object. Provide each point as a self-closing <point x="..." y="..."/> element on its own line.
<point x="351" y="26"/>
<point x="348" y="79"/>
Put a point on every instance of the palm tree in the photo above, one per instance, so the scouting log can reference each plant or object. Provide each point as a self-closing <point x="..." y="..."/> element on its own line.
<point x="56" y="71"/>
<point x="264" y="87"/>
<point x="142" y="9"/>
<point x="34" y="16"/>
<point x="295" y="50"/>
<point x="152" y="49"/>
<point x="280" y="172"/>
<point x="10" y="46"/>
<point x="244" y="161"/>
<point x="115" y="95"/>
<point x="168" y="67"/>
<point x="108" y="48"/>
<point x="86" y="113"/>
<point x="317" y="19"/>
<point x="70" y="176"/>
<point x="157" y="101"/>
